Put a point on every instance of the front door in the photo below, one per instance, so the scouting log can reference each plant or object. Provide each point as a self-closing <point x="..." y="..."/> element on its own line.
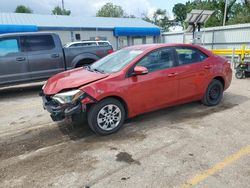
<point x="13" y="62"/>
<point x="159" y="87"/>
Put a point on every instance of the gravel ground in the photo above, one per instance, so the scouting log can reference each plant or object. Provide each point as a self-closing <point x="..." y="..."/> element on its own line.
<point x="207" y="146"/>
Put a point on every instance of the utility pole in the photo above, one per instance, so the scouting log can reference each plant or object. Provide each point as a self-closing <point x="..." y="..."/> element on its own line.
<point x="63" y="4"/>
<point x="225" y="13"/>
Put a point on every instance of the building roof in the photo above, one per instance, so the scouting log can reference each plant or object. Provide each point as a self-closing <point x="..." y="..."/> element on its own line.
<point x="70" y="21"/>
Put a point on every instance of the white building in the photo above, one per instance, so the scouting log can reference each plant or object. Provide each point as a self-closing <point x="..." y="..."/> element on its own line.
<point x="119" y="31"/>
<point x="223" y="37"/>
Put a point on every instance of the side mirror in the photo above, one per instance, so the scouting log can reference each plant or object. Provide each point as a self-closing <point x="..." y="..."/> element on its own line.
<point x="140" y="70"/>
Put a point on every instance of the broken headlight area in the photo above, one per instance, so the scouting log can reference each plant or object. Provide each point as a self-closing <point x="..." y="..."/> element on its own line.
<point x="64" y="104"/>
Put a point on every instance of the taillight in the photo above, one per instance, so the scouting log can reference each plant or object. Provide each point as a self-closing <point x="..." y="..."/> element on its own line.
<point x="110" y="51"/>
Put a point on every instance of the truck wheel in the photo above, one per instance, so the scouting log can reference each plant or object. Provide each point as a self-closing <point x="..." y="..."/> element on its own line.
<point x="239" y="74"/>
<point x="106" y="117"/>
<point x="213" y="93"/>
<point x="84" y="62"/>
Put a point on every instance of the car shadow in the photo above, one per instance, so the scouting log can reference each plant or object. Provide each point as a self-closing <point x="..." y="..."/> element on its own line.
<point x="20" y="90"/>
<point x="135" y="127"/>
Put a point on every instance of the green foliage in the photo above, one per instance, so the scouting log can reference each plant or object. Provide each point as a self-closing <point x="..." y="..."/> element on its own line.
<point x="23" y="9"/>
<point x="236" y="12"/>
<point x="59" y="11"/>
<point x="111" y="10"/>
<point x="160" y="19"/>
<point x="180" y="12"/>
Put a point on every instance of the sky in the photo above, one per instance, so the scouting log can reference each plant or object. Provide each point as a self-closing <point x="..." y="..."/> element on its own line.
<point x="90" y="7"/>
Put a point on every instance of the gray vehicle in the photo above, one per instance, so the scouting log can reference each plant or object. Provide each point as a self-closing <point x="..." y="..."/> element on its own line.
<point x="28" y="57"/>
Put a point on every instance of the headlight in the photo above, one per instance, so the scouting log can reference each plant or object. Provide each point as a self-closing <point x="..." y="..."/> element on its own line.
<point x="68" y="97"/>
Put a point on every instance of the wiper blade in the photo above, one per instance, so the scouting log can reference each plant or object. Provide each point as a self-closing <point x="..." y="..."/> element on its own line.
<point x="93" y="70"/>
<point x="97" y="70"/>
<point x="87" y="67"/>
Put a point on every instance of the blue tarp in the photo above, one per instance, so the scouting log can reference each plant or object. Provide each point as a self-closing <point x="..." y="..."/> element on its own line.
<point x="137" y="31"/>
<point x="17" y="28"/>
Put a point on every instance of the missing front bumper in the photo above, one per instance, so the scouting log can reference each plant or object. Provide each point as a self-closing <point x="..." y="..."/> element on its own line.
<point x="59" y="112"/>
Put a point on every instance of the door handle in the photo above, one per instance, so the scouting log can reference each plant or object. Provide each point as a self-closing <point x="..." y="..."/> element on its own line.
<point x="172" y="74"/>
<point x="20" y="59"/>
<point x="55" y="55"/>
<point x="208" y="66"/>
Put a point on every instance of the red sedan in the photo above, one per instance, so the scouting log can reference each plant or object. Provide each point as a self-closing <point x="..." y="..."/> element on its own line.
<point x="135" y="80"/>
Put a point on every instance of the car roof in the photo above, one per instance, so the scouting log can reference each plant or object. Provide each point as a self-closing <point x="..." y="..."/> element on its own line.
<point x="150" y="47"/>
<point x="83" y="41"/>
<point x="87" y="41"/>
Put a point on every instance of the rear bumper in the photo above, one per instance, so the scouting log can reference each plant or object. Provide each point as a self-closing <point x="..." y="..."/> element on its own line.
<point x="59" y="112"/>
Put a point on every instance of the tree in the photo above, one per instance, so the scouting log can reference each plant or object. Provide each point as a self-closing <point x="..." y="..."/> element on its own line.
<point x="247" y="3"/>
<point x="23" y="9"/>
<point x="180" y="13"/>
<point x="160" y="19"/>
<point x="59" y="11"/>
<point x="110" y="10"/>
<point x="218" y="6"/>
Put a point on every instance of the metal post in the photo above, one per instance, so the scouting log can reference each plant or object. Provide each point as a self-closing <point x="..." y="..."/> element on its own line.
<point x="63" y="4"/>
<point x="213" y="40"/>
<point x="225" y="12"/>
<point x="232" y="60"/>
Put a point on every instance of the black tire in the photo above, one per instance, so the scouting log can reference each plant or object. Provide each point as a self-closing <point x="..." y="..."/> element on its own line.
<point x="84" y="62"/>
<point x="94" y="113"/>
<point x="239" y="74"/>
<point x="214" y="93"/>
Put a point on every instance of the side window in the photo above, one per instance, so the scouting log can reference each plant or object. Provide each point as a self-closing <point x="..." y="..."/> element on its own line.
<point x="39" y="42"/>
<point x="103" y="43"/>
<point x="76" y="45"/>
<point x="190" y="55"/>
<point x="158" y="60"/>
<point x="8" y="46"/>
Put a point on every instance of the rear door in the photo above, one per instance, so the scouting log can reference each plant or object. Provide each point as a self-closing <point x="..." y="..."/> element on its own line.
<point x="13" y="61"/>
<point x="192" y="72"/>
<point x="44" y="56"/>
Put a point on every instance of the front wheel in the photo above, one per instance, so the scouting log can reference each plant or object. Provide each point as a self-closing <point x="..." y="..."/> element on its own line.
<point x="213" y="93"/>
<point x="106" y="117"/>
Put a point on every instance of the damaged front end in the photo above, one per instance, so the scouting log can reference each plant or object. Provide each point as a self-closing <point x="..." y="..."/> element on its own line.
<point x="64" y="104"/>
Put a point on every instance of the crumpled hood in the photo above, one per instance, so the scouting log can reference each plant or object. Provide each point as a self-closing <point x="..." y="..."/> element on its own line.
<point x="71" y="79"/>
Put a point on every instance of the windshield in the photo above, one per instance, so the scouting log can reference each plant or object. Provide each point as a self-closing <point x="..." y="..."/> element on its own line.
<point x="115" y="61"/>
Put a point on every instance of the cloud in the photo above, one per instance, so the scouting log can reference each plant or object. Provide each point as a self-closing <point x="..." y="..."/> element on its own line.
<point x="80" y="7"/>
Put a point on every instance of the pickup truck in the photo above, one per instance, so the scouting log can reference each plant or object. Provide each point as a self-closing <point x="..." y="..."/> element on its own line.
<point x="28" y="57"/>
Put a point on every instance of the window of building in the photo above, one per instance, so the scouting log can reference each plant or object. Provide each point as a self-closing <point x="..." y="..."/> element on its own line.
<point x="78" y="36"/>
<point x="137" y="40"/>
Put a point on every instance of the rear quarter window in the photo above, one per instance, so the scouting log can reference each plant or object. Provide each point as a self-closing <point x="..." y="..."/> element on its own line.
<point x="103" y="43"/>
<point x="190" y="55"/>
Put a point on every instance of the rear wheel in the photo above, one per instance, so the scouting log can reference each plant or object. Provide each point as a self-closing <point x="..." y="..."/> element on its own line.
<point x="106" y="117"/>
<point x="239" y="74"/>
<point x="213" y="93"/>
<point x="84" y="62"/>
